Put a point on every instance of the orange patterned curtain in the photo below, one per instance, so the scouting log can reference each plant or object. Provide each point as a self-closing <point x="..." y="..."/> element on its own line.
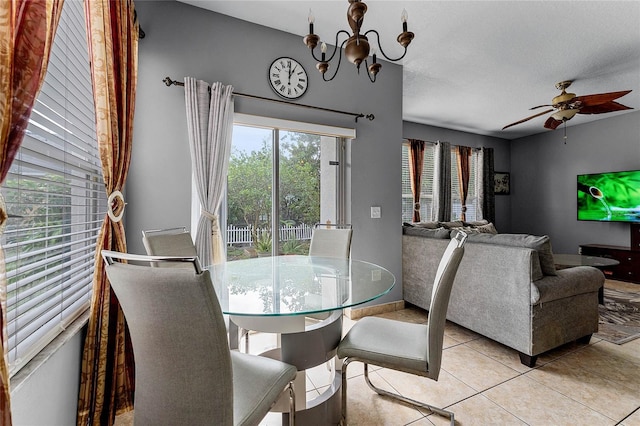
<point x="416" y="157"/>
<point x="464" y="157"/>
<point x="107" y="379"/>
<point x="28" y="28"/>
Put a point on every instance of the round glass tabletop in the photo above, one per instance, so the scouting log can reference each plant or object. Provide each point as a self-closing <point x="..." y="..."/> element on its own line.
<point x="297" y="285"/>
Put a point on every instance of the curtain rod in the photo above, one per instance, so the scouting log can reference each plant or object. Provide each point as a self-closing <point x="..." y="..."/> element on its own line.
<point x="168" y="81"/>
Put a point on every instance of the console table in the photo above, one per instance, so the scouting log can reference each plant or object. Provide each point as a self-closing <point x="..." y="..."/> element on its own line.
<point x="629" y="267"/>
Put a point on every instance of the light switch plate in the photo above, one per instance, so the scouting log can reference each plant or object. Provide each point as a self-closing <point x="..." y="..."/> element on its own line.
<point x="375" y="212"/>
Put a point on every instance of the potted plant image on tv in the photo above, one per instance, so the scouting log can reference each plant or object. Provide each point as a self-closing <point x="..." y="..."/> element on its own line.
<point x="609" y="197"/>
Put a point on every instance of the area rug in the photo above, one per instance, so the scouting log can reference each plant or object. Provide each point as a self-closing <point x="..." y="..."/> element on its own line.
<point x="619" y="316"/>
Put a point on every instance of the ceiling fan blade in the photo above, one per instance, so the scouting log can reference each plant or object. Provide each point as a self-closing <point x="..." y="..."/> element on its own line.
<point x="552" y="123"/>
<point x="527" y="119"/>
<point x="600" y="98"/>
<point x="539" y="106"/>
<point x="610" y="106"/>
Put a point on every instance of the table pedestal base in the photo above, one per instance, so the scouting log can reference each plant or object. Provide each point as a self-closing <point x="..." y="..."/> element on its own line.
<point x="304" y="347"/>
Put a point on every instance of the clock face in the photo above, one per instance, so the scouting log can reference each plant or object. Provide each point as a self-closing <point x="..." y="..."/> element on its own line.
<point x="288" y="78"/>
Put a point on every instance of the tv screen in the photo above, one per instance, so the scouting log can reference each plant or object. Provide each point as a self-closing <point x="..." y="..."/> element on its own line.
<point x="609" y="197"/>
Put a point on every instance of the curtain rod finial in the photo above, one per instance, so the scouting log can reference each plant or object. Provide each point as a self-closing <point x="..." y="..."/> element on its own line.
<point x="168" y="81"/>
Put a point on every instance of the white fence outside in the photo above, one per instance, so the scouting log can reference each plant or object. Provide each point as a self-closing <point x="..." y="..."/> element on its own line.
<point x="242" y="235"/>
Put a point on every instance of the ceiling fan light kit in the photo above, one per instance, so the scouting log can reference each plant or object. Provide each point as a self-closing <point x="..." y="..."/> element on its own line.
<point x="567" y="105"/>
<point x="356" y="47"/>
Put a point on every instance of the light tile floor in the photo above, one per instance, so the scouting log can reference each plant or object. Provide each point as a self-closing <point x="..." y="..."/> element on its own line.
<point x="484" y="383"/>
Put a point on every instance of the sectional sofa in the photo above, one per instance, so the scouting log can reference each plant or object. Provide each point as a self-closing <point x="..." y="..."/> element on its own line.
<point x="506" y="288"/>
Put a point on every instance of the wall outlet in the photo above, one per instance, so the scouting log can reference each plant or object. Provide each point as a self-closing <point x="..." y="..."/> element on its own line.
<point x="375" y="212"/>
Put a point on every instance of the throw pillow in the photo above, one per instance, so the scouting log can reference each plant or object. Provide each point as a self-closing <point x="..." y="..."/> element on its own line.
<point x="541" y="244"/>
<point x="439" y="233"/>
<point x="488" y="228"/>
<point x="477" y="223"/>
<point x="452" y="224"/>
<point x="428" y="225"/>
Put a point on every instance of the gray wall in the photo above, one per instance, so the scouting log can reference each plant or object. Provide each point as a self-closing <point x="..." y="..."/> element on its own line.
<point x="502" y="157"/>
<point x="543" y="179"/>
<point x="182" y="40"/>
<point x="49" y="396"/>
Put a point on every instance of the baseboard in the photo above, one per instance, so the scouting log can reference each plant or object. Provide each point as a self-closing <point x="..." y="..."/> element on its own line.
<point x="357" y="313"/>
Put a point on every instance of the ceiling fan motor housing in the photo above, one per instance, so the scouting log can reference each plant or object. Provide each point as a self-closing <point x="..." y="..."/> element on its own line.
<point x="562" y="98"/>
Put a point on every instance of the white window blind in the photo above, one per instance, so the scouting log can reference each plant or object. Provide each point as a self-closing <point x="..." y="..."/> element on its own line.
<point x="426" y="193"/>
<point x="55" y="194"/>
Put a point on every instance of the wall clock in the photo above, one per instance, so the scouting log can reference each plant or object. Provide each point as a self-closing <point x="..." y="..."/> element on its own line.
<point x="288" y="78"/>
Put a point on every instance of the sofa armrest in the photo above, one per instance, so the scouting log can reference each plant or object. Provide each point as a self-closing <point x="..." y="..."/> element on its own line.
<point x="568" y="282"/>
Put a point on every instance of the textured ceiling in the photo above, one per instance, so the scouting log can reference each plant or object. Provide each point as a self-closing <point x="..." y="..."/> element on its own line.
<point x="477" y="66"/>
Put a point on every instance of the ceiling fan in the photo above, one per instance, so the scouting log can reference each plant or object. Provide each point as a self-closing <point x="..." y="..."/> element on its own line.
<point x="567" y="105"/>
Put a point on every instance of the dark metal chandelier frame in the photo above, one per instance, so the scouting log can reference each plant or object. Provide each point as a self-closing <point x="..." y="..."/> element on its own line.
<point x="356" y="46"/>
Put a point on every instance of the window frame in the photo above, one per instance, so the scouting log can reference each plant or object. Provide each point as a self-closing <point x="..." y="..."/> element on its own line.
<point x="426" y="194"/>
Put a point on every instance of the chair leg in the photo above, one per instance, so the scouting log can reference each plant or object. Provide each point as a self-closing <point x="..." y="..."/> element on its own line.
<point x="343" y="419"/>
<point x="431" y="408"/>
<point x="292" y="405"/>
<point x="245" y="333"/>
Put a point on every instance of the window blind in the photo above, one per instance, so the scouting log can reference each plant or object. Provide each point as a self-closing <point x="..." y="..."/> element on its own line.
<point x="55" y="196"/>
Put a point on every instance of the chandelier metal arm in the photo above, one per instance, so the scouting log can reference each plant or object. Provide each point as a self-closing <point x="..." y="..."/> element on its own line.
<point x="382" y="51"/>
<point x="335" y="48"/>
<point x="339" y="50"/>
<point x="369" y="74"/>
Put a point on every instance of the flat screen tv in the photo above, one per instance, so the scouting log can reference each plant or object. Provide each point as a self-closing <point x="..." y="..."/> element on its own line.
<point x="609" y="197"/>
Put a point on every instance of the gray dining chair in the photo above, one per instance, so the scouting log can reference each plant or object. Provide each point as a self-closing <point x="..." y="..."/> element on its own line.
<point x="169" y="242"/>
<point x="411" y="348"/>
<point x="331" y="240"/>
<point x="185" y="372"/>
<point x="178" y="242"/>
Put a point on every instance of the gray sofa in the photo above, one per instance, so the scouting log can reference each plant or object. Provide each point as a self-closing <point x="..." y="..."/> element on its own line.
<point x="506" y="289"/>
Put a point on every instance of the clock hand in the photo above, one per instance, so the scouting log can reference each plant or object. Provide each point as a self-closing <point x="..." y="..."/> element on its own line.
<point x="291" y="72"/>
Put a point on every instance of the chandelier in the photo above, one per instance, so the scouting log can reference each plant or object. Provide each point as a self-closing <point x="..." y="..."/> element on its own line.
<point x="356" y="46"/>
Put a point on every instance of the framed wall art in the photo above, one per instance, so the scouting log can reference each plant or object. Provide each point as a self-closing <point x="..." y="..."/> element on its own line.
<point x="502" y="183"/>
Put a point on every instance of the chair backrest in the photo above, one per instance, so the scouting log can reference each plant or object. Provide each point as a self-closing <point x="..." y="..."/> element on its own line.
<point x="183" y="364"/>
<point x="441" y="292"/>
<point x="331" y="241"/>
<point x="168" y="242"/>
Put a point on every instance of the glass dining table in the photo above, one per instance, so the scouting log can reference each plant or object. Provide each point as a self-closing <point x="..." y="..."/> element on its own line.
<point x="300" y="298"/>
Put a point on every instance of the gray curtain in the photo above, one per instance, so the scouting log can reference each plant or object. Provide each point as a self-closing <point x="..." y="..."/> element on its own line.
<point x="487" y="198"/>
<point x="442" y="182"/>
<point x="210" y="126"/>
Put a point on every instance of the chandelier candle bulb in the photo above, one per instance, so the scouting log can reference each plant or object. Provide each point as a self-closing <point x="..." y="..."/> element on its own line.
<point x="324" y="50"/>
<point x="312" y="19"/>
<point x="403" y="17"/>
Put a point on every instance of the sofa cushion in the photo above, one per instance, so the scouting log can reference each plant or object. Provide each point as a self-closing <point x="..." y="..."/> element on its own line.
<point x="428" y="225"/>
<point x="440" y="233"/>
<point x="541" y="244"/>
<point x="452" y="224"/>
<point x="476" y="222"/>
<point x="488" y="228"/>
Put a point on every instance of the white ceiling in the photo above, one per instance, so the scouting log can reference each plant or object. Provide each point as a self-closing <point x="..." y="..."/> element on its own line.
<point x="477" y="66"/>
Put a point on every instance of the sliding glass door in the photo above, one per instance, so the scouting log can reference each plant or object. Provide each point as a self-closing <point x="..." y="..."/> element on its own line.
<point x="301" y="170"/>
